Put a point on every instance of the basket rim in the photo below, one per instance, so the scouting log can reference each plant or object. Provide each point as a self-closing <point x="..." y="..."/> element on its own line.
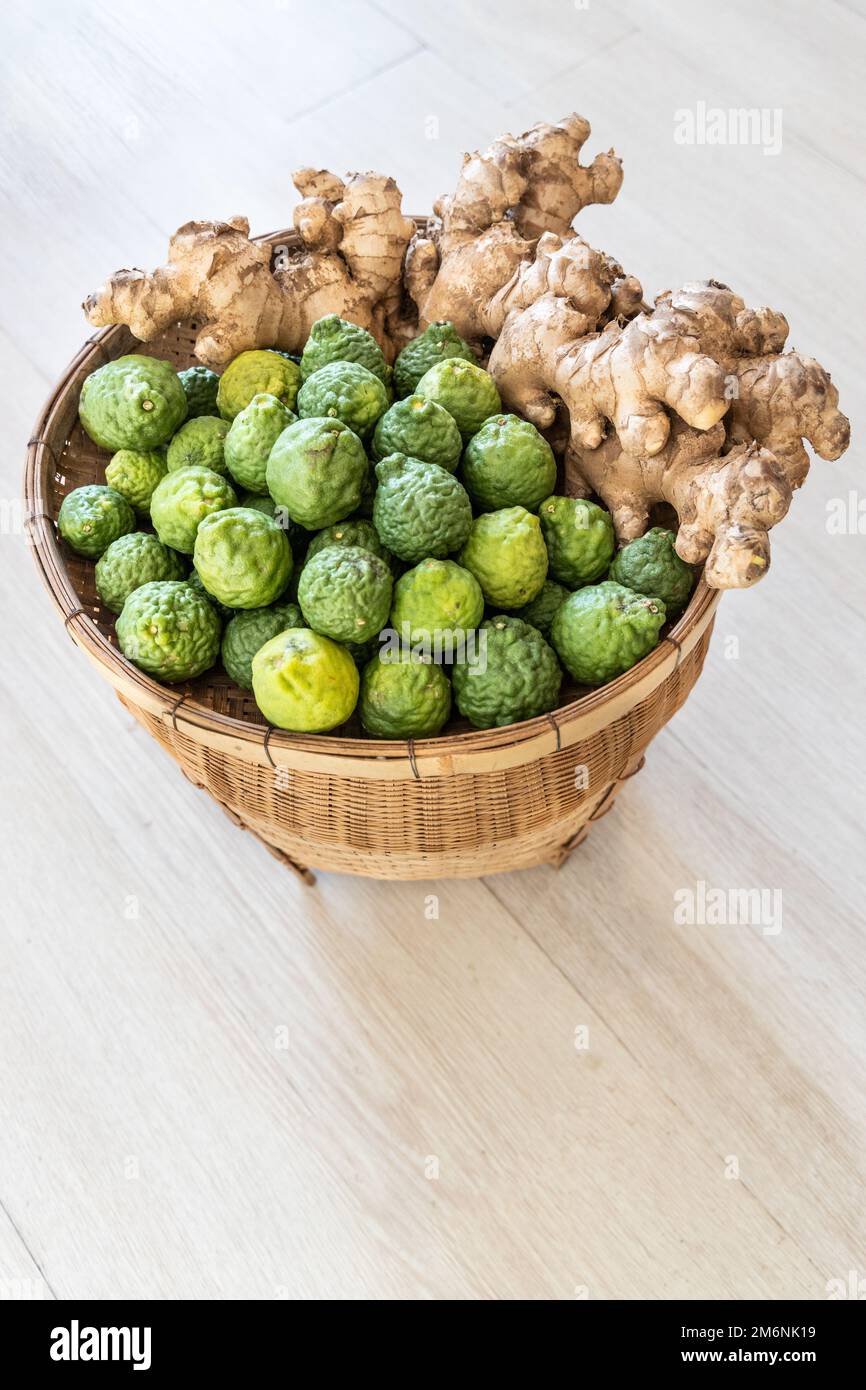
<point x="444" y="755"/>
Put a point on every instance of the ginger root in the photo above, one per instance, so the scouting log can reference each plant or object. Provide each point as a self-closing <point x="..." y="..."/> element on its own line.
<point x="693" y="403"/>
<point x="353" y="240"/>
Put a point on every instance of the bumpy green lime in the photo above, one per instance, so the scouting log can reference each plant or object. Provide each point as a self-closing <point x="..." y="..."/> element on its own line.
<point x="134" y="473"/>
<point x="134" y="402"/>
<point x="345" y="593"/>
<point x="404" y="696"/>
<point x="422" y="430"/>
<point x="93" y="516"/>
<point x="419" y="509"/>
<point x="513" y="675"/>
<point x="541" y="610"/>
<point x="602" y="630"/>
<point x="200" y="386"/>
<point x="246" y="632"/>
<point x="650" y="565"/>
<point x="242" y="557"/>
<point x="250" y="374"/>
<point x="132" y="560"/>
<point x="304" y="682"/>
<point x="199" y="443"/>
<point x="169" y="630"/>
<point x="333" y="339"/>
<point x="506" y="553"/>
<point x="437" y="602"/>
<point x="344" y="391"/>
<point x="254" y="432"/>
<point x="298" y="538"/>
<point x="438" y="341"/>
<point x="508" y="464"/>
<point x="579" y="537"/>
<point x="182" y="501"/>
<point x="316" y="470"/>
<point x="465" y="390"/>
<point x="359" y="532"/>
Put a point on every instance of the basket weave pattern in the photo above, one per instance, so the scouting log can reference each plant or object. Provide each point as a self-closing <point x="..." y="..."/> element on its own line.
<point x="465" y="804"/>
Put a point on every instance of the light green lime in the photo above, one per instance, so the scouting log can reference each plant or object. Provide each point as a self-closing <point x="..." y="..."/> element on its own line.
<point x="465" y="390"/>
<point x="134" y="402"/>
<point x="199" y="443"/>
<point x="508" y="464"/>
<point x="134" y="473"/>
<point x="254" y="432"/>
<point x="404" y="696"/>
<point x="305" y="682"/>
<point x="246" y="632"/>
<point x="579" y="537"/>
<point x="438" y="341"/>
<point x="513" y="675"/>
<point x="422" y="430"/>
<point x="506" y="553"/>
<point x="250" y="374"/>
<point x="242" y="557"/>
<point x="181" y="502"/>
<point x="93" y="516"/>
<point x="316" y="470"/>
<point x="169" y="630"/>
<point x="132" y="560"/>
<point x="437" y="602"/>
<point x="603" y="629"/>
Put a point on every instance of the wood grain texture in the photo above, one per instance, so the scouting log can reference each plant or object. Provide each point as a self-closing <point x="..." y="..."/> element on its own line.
<point x="217" y="1083"/>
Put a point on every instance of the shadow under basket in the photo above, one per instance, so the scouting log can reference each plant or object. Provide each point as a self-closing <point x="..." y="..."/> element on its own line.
<point x="462" y="805"/>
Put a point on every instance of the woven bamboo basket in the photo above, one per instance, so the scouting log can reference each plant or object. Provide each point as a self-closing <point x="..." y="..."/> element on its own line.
<point x="462" y="805"/>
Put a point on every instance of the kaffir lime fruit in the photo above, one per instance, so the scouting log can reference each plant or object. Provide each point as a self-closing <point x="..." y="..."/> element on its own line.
<point x="419" y="509"/>
<point x="132" y="560"/>
<point x="242" y="557"/>
<point x="333" y="339"/>
<point x="345" y="593"/>
<point x="508" y="464"/>
<point x="304" y="682"/>
<point x="541" y="610"/>
<point x="513" y="675"/>
<point x="506" y="553"/>
<point x="438" y="341"/>
<point x="579" y="537"/>
<point x="344" y="391"/>
<point x="134" y="402"/>
<point x="246" y="632"/>
<point x="403" y="695"/>
<point x="201" y="443"/>
<point x="253" y="372"/>
<point x="93" y="516"/>
<point x="436" y="602"/>
<point x="316" y="470"/>
<point x="169" y="630"/>
<point x="253" y="433"/>
<point x="465" y="390"/>
<point x="183" y="499"/>
<point x="603" y="629"/>
<point x="422" y="430"/>
<point x="134" y="473"/>
<point x="200" y="386"/>
<point x="650" y="565"/>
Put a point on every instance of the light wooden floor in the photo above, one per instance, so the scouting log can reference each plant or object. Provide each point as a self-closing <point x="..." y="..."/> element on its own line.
<point x="217" y="1083"/>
